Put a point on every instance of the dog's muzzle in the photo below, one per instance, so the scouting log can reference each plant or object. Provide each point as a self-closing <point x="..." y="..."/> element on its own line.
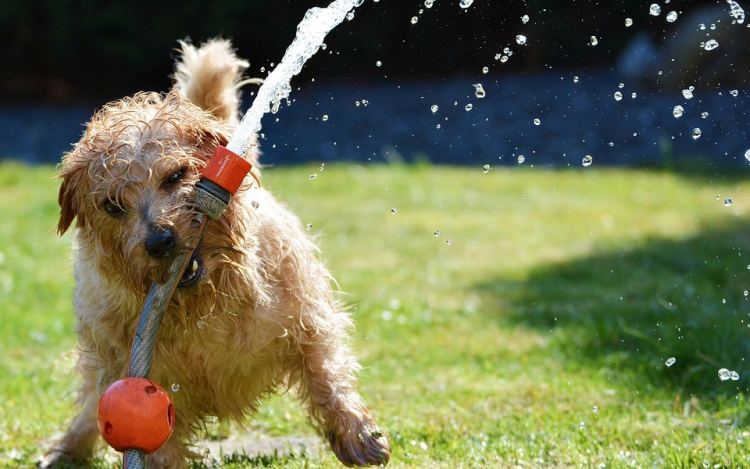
<point x="161" y="243"/>
<point x="196" y="269"/>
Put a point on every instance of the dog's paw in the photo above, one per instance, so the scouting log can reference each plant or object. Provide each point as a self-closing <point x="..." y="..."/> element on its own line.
<point x="363" y="445"/>
<point x="56" y="458"/>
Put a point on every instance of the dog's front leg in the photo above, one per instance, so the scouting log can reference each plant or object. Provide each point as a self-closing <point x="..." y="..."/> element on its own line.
<point x="77" y="445"/>
<point x="329" y="380"/>
<point x="316" y="327"/>
<point x="173" y="454"/>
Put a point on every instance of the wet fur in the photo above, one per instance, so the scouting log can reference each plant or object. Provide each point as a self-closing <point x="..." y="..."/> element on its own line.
<point x="262" y="319"/>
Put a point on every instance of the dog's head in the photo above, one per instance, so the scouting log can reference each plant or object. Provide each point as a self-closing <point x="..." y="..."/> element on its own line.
<point x="129" y="185"/>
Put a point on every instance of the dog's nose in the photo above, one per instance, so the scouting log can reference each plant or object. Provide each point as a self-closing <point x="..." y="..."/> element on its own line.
<point x="161" y="243"/>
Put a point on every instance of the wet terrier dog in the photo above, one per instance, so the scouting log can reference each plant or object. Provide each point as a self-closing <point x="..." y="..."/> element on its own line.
<point x="255" y="313"/>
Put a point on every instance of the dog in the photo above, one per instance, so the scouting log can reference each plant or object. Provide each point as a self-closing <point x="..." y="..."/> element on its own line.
<point x="254" y="314"/>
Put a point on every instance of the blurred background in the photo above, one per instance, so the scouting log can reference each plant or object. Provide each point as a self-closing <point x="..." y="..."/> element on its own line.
<point x="551" y="100"/>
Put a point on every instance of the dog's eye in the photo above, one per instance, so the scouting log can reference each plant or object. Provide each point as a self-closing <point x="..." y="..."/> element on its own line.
<point x="112" y="208"/>
<point x="176" y="176"/>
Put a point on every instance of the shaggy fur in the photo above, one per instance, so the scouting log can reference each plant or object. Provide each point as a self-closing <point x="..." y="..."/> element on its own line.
<point x="262" y="317"/>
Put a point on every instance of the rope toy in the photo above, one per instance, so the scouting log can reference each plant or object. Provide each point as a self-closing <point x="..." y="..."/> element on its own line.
<point x="135" y="415"/>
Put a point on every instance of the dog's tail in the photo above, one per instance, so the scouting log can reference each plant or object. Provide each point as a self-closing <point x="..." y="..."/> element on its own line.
<point x="211" y="76"/>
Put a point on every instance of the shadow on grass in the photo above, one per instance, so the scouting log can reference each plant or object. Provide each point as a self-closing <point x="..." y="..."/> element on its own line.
<point x="701" y="170"/>
<point x="630" y="311"/>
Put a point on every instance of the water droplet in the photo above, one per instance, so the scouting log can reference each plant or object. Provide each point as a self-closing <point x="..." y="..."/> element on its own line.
<point x="428" y="3"/>
<point x="628" y="22"/>
<point x="593" y="40"/>
<point x="434" y="108"/>
<point x="654" y="10"/>
<point x="309" y="226"/>
<point x="201" y="325"/>
<point x="322" y="167"/>
<point x="438" y="126"/>
<point x="734" y="93"/>
<point x="696" y="133"/>
<point x="678" y="111"/>
<point x="711" y="44"/>
<point x="521" y="39"/>
<point x="670" y="361"/>
<point x="688" y="93"/>
<point x="504" y="59"/>
<point x="724" y="374"/>
<point x="255" y="204"/>
<point x="537" y="121"/>
<point x="479" y="92"/>
<point x="485" y="70"/>
<point x="728" y="202"/>
<point x="746" y="293"/>
<point x="618" y="96"/>
<point x="486" y="168"/>
<point x="747" y="154"/>
<point x="702" y="27"/>
<point x="712" y="27"/>
<point x="325" y="117"/>
<point x="469" y="107"/>
<point x="175" y="387"/>
<point x="575" y="79"/>
<point x="621" y="85"/>
<point x="704" y="114"/>
<point x="437" y="233"/>
<point x="414" y="20"/>
<point x="378" y="63"/>
<point x="466" y="3"/>
<point x="672" y="16"/>
<point x="313" y="176"/>
<point x="350" y="16"/>
<point x="633" y="95"/>
<point x="587" y="160"/>
<point x="734" y="376"/>
<point x="448" y="242"/>
<point x="394" y="211"/>
<point x="521" y="159"/>
<point x="736" y="11"/>
<point x="525" y="19"/>
<point x="596" y="408"/>
<point x="582" y="425"/>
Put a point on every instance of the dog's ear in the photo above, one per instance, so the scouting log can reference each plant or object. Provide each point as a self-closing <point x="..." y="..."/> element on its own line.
<point x="208" y="138"/>
<point x="72" y="173"/>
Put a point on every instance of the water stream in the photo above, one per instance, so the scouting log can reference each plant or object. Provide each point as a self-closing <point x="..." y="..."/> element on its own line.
<point x="311" y="32"/>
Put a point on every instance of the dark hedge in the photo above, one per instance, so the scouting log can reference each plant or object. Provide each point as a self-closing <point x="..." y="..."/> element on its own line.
<point x="83" y="48"/>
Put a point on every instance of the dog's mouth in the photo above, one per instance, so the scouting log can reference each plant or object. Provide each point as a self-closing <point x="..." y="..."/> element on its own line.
<point x="195" y="269"/>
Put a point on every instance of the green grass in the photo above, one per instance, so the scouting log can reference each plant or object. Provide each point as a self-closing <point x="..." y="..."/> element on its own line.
<point x="536" y="338"/>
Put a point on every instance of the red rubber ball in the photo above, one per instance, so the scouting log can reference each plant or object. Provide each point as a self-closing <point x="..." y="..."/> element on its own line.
<point x="136" y="413"/>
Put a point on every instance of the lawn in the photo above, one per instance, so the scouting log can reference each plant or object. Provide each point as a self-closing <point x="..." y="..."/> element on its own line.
<point x="518" y="318"/>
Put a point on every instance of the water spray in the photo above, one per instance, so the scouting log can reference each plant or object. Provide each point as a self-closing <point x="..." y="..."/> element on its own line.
<point x="136" y="415"/>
